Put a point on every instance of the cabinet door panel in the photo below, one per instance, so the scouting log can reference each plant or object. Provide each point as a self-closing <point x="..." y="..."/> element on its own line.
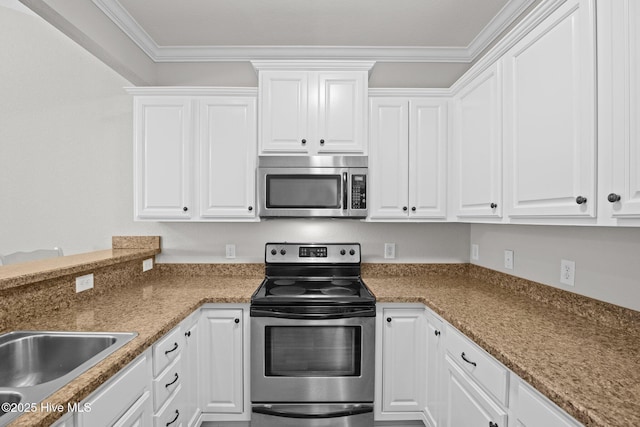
<point x="403" y="360"/>
<point x="478" y="146"/>
<point x="163" y="157"/>
<point x="227" y="157"/>
<point x="389" y="158"/>
<point x="341" y="109"/>
<point x="623" y="86"/>
<point x="433" y="398"/>
<point x="222" y="361"/>
<point x="427" y="158"/>
<point x="284" y="111"/>
<point x="550" y="116"/>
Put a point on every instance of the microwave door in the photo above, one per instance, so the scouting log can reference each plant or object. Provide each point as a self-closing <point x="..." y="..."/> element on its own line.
<point x="304" y="192"/>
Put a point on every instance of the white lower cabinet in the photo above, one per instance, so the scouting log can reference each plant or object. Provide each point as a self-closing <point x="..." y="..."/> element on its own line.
<point x="433" y="400"/>
<point x="191" y="329"/>
<point x="224" y="387"/>
<point x="401" y="340"/>
<point x="466" y="403"/>
<point x="427" y="370"/>
<point x="124" y="400"/>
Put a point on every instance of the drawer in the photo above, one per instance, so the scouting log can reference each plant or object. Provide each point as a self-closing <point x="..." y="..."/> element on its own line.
<point x="166" y="350"/>
<point x="167" y="383"/>
<point x="172" y="413"/>
<point x="114" y="398"/>
<point x="535" y="410"/>
<point x="479" y="364"/>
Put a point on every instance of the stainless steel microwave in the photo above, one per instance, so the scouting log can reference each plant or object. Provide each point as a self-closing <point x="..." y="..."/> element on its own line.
<point x="312" y="186"/>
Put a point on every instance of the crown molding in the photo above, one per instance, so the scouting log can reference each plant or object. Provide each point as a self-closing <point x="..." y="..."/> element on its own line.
<point x="119" y="15"/>
<point x="410" y="92"/>
<point x="192" y="91"/>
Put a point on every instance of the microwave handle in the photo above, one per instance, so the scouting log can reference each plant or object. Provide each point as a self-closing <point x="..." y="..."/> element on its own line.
<point x="345" y="193"/>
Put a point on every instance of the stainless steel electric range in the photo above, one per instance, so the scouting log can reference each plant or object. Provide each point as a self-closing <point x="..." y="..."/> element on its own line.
<point x="313" y="338"/>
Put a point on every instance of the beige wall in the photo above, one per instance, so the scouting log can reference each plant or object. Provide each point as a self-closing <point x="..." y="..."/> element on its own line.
<point x="66" y="167"/>
<point x="607" y="259"/>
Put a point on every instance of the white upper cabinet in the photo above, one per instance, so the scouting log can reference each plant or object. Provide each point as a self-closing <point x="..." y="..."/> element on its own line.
<point x="195" y="154"/>
<point x="619" y="109"/>
<point x="477" y="147"/>
<point x="311" y="108"/>
<point x="163" y="162"/>
<point x="227" y="157"/>
<point x="408" y="144"/>
<point x="550" y="116"/>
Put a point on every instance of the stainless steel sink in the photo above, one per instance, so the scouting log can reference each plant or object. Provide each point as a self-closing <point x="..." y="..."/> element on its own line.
<point x="35" y="364"/>
<point x="8" y="397"/>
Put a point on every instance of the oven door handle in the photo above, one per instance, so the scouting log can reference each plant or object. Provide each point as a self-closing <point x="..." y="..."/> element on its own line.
<point x="349" y="410"/>
<point x="360" y="312"/>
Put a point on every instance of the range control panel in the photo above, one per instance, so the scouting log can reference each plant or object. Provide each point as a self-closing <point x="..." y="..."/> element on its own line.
<point x="316" y="253"/>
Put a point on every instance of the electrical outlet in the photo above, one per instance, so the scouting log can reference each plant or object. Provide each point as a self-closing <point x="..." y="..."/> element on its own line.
<point x="147" y="264"/>
<point x="230" y="250"/>
<point x="508" y="259"/>
<point x="84" y="283"/>
<point x="567" y="272"/>
<point x="389" y="250"/>
<point x="475" y="252"/>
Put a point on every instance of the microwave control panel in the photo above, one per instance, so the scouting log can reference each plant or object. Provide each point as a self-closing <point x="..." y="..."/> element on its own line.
<point x="358" y="191"/>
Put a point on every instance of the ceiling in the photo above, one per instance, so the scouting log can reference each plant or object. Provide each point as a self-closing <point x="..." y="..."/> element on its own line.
<point x="381" y="30"/>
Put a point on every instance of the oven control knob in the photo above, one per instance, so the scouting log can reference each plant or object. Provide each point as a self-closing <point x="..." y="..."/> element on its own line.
<point x="342" y="252"/>
<point x="352" y="252"/>
<point x="273" y="252"/>
<point x="283" y="251"/>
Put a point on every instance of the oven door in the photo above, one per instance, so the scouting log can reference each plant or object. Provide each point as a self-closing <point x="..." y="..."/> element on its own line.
<point x="323" y="359"/>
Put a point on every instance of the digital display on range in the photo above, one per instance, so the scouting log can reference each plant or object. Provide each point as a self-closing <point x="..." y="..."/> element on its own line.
<point x="312" y="252"/>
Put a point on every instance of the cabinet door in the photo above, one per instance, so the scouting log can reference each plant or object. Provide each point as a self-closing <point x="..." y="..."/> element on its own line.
<point x="477" y="147"/>
<point x="227" y="157"/>
<point x="427" y="158"/>
<point x="221" y="361"/>
<point x="139" y="415"/>
<point x="619" y="119"/>
<point x="342" y="103"/>
<point x="550" y="116"/>
<point x="389" y="158"/>
<point x="283" y="120"/>
<point x="190" y="369"/>
<point x="163" y="150"/>
<point x="403" y="355"/>
<point x="433" y="397"/>
<point x="466" y="403"/>
<point x="534" y="410"/>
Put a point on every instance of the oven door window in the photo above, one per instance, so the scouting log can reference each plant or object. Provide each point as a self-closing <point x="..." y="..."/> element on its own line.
<point x="303" y="191"/>
<point x="313" y="351"/>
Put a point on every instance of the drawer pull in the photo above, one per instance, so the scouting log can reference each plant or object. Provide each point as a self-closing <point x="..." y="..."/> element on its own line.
<point x="172" y="382"/>
<point x="492" y="424"/>
<point x="468" y="361"/>
<point x="175" y="347"/>
<point x="176" y="419"/>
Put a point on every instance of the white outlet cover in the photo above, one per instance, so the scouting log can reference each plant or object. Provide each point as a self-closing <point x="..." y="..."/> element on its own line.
<point x="475" y="252"/>
<point x="567" y="272"/>
<point x="230" y="250"/>
<point x="508" y="259"/>
<point x="147" y="264"/>
<point x="84" y="283"/>
<point x="389" y="250"/>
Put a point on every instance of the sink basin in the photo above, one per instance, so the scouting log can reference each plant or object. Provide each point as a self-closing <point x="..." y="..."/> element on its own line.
<point x="8" y="397"/>
<point x="30" y="359"/>
<point x="37" y="363"/>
